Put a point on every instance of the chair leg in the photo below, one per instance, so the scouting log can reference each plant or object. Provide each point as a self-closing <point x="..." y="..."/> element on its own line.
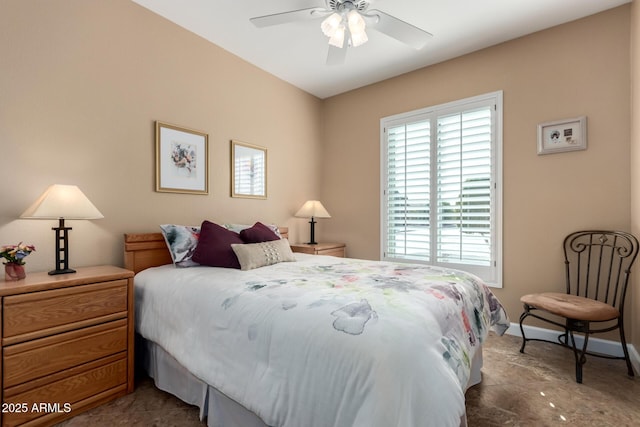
<point x="563" y="338"/>
<point x="623" y="341"/>
<point x="579" y="355"/>
<point x="522" y="317"/>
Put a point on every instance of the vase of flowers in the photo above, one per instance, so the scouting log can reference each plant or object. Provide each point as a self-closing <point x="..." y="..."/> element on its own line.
<point x="15" y="255"/>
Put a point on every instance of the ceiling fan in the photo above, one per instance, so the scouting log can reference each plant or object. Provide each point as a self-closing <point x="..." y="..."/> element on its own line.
<point x="345" y="22"/>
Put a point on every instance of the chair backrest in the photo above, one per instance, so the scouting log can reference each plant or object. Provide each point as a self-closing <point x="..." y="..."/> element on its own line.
<point x="598" y="264"/>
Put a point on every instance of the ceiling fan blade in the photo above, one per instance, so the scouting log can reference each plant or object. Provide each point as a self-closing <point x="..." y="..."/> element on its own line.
<point x="286" y="17"/>
<point x="336" y="55"/>
<point x="400" y="30"/>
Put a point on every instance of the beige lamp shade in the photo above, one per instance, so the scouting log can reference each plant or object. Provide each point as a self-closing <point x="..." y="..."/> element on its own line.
<point x="62" y="201"/>
<point x="313" y="209"/>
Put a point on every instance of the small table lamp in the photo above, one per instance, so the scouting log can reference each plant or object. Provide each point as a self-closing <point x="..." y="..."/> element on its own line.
<point x="313" y="209"/>
<point x="62" y="202"/>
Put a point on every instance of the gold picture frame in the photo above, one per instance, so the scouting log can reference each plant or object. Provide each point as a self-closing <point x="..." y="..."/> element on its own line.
<point x="182" y="160"/>
<point x="248" y="170"/>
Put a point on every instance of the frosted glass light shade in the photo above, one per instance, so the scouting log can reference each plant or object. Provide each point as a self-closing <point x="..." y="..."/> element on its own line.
<point x="313" y="208"/>
<point x="356" y="22"/>
<point x="358" y="39"/>
<point x="62" y="201"/>
<point x="331" y="24"/>
<point x="337" y="39"/>
<point x="335" y="25"/>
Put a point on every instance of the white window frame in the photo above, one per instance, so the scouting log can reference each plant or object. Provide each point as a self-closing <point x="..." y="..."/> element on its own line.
<point x="493" y="275"/>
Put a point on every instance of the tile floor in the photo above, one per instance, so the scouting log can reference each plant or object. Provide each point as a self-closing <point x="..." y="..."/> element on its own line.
<point x="533" y="389"/>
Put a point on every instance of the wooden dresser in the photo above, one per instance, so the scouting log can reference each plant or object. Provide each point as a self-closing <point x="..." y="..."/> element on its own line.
<point x="67" y="343"/>
<point x="333" y="249"/>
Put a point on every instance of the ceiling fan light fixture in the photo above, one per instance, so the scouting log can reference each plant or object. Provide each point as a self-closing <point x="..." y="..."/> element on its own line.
<point x="358" y="39"/>
<point x="337" y="39"/>
<point x="355" y="21"/>
<point x="330" y="25"/>
<point x="344" y="22"/>
<point x="356" y="28"/>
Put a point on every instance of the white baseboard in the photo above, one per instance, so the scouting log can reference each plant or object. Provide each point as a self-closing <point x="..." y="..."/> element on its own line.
<point x="596" y="345"/>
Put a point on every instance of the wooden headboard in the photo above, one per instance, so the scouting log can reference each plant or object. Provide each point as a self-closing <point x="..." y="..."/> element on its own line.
<point x="144" y="250"/>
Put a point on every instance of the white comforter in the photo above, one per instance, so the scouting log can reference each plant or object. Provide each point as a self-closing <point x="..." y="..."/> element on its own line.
<point x="325" y="341"/>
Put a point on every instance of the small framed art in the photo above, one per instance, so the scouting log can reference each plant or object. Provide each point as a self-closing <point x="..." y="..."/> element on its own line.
<point x="248" y="170"/>
<point x="562" y="135"/>
<point x="181" y="160"/>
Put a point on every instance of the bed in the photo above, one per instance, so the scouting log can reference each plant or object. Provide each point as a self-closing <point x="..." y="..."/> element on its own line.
<point x="321" y="341"/>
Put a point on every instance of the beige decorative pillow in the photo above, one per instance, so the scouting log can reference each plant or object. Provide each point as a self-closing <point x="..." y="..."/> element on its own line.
<point x="254" y="255"/>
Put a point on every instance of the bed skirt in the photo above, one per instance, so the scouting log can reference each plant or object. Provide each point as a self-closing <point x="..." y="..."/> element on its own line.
<point x="218" y="409"/>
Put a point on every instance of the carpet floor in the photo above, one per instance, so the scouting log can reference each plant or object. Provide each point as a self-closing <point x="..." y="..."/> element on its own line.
<point x="537" y="388"/>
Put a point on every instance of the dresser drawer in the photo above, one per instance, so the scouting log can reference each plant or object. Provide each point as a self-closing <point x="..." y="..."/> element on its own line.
<point x="42" y="313"/>
<point x="45" y="356"/>
<point x="96" y="379"/>
<point x="337" y="252"/>
<point x="331" y="249"/>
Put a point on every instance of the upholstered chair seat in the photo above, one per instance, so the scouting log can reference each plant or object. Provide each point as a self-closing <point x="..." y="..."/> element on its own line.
<point x="572" y="306"/>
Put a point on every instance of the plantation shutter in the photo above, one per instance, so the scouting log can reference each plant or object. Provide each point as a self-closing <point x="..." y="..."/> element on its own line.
<point x="464" y="187"/>
<point x="408" y="190"/>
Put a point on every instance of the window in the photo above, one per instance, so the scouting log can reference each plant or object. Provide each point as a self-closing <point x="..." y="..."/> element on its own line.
<point x="441" y="182"/>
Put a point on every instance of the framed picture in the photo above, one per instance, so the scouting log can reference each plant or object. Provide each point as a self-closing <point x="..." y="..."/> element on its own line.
<point x="248" y="170"/>
<point x="562" y="135"/>
<point x="181" y="160"/>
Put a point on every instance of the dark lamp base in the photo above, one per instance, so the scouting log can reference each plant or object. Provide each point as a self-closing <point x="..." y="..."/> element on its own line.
<point x="65" y="271"/>
<point x="312" y="237"/>
<point x="62" y="249"/>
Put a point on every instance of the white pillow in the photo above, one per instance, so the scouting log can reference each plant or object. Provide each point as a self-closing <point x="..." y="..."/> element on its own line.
<point x="254" y="255"/>
<point x="181" y="241"/>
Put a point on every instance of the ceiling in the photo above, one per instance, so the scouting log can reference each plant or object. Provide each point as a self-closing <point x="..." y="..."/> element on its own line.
<point x="296" y="52"/>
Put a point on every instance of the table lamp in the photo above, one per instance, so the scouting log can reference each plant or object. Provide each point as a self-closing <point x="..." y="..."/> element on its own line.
<point x="62" y="202"/>
<point x="312" y="209"/>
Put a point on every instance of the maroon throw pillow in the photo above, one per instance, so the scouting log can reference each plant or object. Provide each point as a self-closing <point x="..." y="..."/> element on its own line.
<point x="214" y="246"/>
<point x="258" y="233"/>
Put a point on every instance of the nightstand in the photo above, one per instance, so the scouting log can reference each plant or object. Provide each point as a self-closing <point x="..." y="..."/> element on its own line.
<point x="333" y="249"/>
<point x="67" y="343"/>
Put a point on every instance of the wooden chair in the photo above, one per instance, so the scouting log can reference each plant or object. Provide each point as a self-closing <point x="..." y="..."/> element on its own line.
<point x="598" y="265"/>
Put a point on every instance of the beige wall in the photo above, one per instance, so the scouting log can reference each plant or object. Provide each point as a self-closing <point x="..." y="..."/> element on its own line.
<point x="81" y="85"/>
<point x="635" y="161"/>
<point x="581" y="68"/>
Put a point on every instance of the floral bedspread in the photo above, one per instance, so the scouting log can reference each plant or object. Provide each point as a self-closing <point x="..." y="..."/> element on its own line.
<point x="325" y="341"/>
